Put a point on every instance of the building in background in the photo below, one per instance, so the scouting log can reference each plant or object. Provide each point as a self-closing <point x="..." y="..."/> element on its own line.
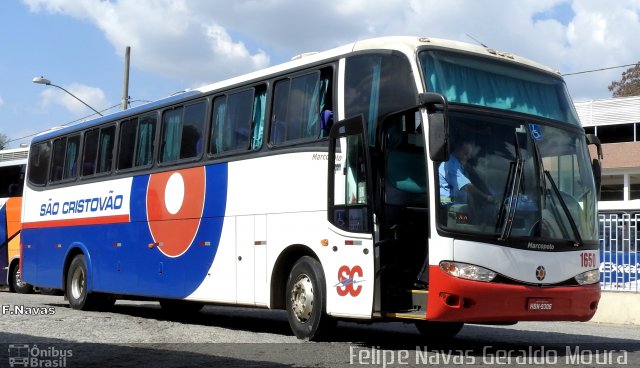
<point x="616" y="122"/>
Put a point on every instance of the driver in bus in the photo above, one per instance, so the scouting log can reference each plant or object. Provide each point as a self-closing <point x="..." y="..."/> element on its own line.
<point x="454" y="184"/>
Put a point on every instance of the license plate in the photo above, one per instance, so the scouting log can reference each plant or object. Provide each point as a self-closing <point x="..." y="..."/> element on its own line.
<point x="540" y="305"/>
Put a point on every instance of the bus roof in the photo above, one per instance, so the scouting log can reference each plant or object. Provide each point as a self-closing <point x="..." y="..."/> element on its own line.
<point x="405" y="44"/>
<point x="14" y="156"/>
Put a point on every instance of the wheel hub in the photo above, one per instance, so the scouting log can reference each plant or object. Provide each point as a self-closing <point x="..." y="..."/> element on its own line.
<point x="302" y="298"/>
<point x="77" y="283"/>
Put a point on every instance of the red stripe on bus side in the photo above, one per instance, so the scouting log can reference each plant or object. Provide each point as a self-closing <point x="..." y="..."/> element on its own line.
<point x="77" y="222"/>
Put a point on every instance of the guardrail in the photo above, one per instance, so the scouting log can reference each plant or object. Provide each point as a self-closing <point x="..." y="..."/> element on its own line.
<point x="619" y="257"/>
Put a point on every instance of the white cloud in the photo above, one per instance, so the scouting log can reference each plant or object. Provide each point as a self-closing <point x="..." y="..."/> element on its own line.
<point x="208" y="40"/>
<point x="93" y="96"/>
<point x="166" y="36"/>
<point x="1" y="101"/>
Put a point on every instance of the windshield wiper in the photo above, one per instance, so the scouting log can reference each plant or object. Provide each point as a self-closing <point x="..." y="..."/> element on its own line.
<point x="514" y="182"/>
<point x="565" y="208"/>
<point x="544" y="173"/>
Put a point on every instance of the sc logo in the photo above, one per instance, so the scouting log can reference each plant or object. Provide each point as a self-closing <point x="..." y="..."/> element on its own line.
<point x="347" y="281"/>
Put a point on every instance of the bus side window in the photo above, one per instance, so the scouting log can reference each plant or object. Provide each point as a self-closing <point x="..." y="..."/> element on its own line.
<point x="39" y="163"/>
<point x="298" y="105"/>
<point x="145" y="140"/>
<point x="105" y="150"/>
<point x="127" y="144"/>
<point x="194" y="116"/>
<point x="182" y="132"/>
<point x="57" y="163"/>
<point x="233" y="123"/>
<point x="90" y="152"/>
<point x="71" y="158"/>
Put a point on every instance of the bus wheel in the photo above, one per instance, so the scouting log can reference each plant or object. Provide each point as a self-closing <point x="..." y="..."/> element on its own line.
<point x="79" y="297"/>
<point x="17" y="284"/>
<point x="305" y="302"/>
<point x="439" y="330"/>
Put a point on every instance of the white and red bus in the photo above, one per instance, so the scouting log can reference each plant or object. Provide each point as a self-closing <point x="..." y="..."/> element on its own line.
<point x="314" y="186"/>
<point x="12" y="168"/>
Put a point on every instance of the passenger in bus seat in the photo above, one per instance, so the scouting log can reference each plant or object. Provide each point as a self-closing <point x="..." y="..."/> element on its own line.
<point x="326" y="122"/>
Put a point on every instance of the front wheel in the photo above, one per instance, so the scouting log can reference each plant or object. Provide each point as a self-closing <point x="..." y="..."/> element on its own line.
<point x="17" y="284"/>
<point x="306" y="303"/>
<point x="77" y="293"/>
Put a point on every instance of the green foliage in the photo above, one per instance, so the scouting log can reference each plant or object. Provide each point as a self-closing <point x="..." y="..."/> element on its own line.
<point x="4" y="140"/>
<point x="629" y="83"/>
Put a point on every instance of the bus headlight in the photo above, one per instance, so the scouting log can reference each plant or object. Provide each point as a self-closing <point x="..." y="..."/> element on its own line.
<point x="467" y="271"/>
<point x="589" y="277"/>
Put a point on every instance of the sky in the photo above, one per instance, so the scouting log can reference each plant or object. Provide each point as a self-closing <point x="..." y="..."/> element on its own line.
<point x="179" y="44"/>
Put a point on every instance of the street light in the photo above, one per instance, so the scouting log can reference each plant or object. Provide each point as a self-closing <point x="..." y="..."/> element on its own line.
<point x="45" y="81"/>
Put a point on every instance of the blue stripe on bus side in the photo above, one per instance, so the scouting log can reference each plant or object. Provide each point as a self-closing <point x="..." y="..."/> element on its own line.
<point x="121" y="259"/>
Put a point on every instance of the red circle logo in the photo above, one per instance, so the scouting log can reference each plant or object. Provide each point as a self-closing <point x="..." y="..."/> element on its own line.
<point x="175" y="200"/>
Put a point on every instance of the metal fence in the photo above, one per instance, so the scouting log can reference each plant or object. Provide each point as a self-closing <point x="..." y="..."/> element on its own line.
<point x="619" y="260"/>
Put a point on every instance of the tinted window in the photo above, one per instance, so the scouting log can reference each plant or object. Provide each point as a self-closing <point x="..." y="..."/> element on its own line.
<point x="57" y="164"/>
<point x="127" y="143"/>
<point x="90" y="152"/>
<point x="297" y="107"/>
<point x="182" y="132"/>
<point x="136" y="142"/>
<point x="105" y="151"/>
<point x="71" y="158"/>
<point x="376" y="85"/>
<point x="194" y="116"/>
<point x="39" y="163"/>
<point x="145" y="141"/>
<point x="65" y="158"/>
<point x="231" y="127"/>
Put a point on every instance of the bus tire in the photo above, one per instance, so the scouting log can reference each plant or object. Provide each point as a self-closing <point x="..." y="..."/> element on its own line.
<point x="439" y="330"/>
<point x="306" y="300"/>
<point x="17" y="284"/>
<point x="77" y="293"/>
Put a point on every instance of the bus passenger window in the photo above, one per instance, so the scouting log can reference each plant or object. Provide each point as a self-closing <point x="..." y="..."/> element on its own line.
<point x="90" y="152"/>
<point x="182" y="130"/>
<point x="39" y="163"/>
<point x="191" y="140"/>
<point x="127" y="143"/>
<point x="57" y="164"/>
<point x="298" y="105"/>
<point x="145" y="140"/>
<point x="105" y="151"/>
<point x="71" y="158"/>
<point x="233" y="124"/>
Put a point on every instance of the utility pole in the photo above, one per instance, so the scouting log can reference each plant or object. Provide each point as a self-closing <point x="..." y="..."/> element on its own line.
<point x="125" y="87"/>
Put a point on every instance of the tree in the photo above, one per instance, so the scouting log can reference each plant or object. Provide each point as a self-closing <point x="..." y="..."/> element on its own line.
<point x="629" y="84"/>
<point x="4" y="140"/>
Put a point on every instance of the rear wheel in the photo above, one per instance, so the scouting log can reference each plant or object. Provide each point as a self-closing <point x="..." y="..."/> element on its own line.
<point x="77" y="293"/>
<point x="306" y="302"/>
<point x="439" y="330"/>
<point x="17" y="284"/>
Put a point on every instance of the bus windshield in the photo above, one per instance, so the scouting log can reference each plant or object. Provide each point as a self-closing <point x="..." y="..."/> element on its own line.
<point x="480" y="81"/>
<point x="529" y="179"/>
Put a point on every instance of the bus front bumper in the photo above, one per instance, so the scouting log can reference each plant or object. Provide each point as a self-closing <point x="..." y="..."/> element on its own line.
<point x="453" y="299"/>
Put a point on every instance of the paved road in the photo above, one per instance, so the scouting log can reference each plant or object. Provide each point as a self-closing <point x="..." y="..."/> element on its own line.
<point x="140" y="334"/>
